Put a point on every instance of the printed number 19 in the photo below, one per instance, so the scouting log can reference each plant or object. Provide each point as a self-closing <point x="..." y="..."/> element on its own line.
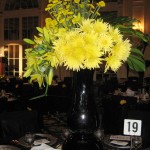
<point x="133" y="126"/>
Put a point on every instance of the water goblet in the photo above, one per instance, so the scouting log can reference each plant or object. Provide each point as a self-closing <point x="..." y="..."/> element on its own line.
<point x="99" y="134"/>
<point x="29" y="138"/>
<point x="136" y="142"/>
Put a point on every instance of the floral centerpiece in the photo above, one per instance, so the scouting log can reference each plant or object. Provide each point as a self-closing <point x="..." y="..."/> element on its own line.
<point x="76" y="36"/>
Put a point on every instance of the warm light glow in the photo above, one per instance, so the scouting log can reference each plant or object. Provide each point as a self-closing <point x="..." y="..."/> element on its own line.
<point x="139" y="26"/>
<point x="1" y="55"/>
<point x="1" y="52"/>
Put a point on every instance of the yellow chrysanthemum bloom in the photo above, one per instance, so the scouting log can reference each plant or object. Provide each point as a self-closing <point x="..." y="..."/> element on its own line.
<point x="71" y="53"/>
<point x="122" y="50"/>
<point x="115" y="34"/>
<point x="87" y="46"/>
<point x="86" y="26"/>
<point x="112" y="63"/>
<point x="100" y="27"/>
<point x="105" y="42"/>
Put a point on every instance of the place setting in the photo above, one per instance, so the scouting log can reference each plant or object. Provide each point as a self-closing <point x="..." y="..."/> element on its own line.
<point x="37" y="141"/>
<point x="118" y="141"/>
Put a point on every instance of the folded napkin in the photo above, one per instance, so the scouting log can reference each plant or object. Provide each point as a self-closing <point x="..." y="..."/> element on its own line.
<point x="129" y="92"/>
<point x="40" y="141"/>
<point x="43" y="147"/>
<point x="146" y="95"/>
<point x="121" y="143"/>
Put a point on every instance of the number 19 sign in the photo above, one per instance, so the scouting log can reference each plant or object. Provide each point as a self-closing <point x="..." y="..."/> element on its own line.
<point x="132" y="127"/>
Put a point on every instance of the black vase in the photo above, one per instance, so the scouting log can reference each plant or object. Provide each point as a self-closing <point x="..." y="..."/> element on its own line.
<point x="83" y="120"/>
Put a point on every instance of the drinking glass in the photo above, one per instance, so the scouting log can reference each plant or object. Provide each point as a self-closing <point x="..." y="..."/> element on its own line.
<point x="29" y="138"/>
<point x="100" y="134"/>
<point x="136" y="142"/>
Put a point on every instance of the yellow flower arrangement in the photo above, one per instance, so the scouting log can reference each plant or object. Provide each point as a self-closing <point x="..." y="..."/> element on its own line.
<point x="91" y="44"/>
<point x="77" y="37"/>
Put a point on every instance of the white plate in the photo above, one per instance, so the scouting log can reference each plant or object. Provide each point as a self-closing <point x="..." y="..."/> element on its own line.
<point x="40" y="141"/>
<point x="120" y="143"/>
<point x="43" y="147"/>
<point x="52" y="140"/>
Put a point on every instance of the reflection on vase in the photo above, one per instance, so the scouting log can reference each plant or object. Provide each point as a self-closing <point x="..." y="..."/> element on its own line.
<point x="83" y="119"/>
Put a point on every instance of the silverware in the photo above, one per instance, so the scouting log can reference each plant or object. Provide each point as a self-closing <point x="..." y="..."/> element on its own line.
<point x="15" y="141"/>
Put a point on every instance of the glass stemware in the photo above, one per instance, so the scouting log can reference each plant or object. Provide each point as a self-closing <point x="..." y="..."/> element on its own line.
<point x="29" y="138"/>
<point x="100" y="134"/>
<point x="136" y="142"/>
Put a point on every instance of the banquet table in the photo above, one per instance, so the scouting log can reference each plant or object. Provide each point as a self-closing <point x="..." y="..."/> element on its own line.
<point x="125" y="144"/>
<point x="115" y="112"/>
<point x="55" y="125"/>
<point x="16" y="124"/>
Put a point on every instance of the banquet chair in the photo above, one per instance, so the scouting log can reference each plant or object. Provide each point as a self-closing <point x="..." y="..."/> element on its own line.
<point x="145" y="132"/>
<point x="3" y="104"/>
<point x="13" y="125"/>
<point x="115" y="113"/>
<point x="111" y="116"/>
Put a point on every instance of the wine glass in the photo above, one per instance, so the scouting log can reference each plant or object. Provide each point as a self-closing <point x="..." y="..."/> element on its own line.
<point x="136" y="142"/>
<point x="29" y="138"/>
<point x="100" y="134"/>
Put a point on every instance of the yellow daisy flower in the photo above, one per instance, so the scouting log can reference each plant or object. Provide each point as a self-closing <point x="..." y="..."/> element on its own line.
<point x="86" y="25"/>
<point x="101" y="4"/>
<point x="122" y="50"/>
<point x="112" y="63"/>
<point x="115" y="34"/>
<point x="105" y="42"/>
<point x="100" y="27"/>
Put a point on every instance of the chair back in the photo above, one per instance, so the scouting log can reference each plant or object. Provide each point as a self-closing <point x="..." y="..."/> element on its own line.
<point x="115" y="113"/>
<point x="13" y="125"/>
<point x="3" y="104"/>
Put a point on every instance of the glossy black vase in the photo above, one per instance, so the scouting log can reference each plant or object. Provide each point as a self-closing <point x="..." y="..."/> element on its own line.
<point x="83" y="119"/>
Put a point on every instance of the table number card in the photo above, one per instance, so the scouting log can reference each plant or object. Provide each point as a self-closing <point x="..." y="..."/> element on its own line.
<point x="132" y="127"/>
